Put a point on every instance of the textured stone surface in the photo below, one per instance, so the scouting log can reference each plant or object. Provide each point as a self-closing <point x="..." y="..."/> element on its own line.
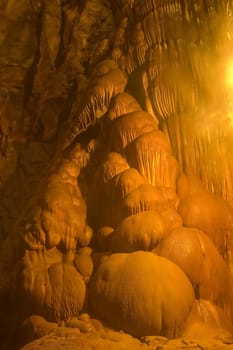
<point x="111" y="108"/>
<point x="121" y="341"/>
<point x="142" y="294"/>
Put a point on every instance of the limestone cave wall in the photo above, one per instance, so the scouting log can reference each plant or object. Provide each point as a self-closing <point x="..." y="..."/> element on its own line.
<point x="116" y="172"/>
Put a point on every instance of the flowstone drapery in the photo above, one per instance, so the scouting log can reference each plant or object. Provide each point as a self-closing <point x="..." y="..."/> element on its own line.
<point x="116" y="201"/>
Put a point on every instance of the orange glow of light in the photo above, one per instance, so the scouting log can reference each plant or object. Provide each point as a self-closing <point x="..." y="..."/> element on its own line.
<point x="228" y="79"/>
<point x="229" y="73"/>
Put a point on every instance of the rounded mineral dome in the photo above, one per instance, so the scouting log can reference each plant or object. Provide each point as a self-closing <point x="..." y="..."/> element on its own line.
<point x="142" y="294"/>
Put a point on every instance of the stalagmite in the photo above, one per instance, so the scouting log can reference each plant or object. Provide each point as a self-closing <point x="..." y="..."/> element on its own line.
<point x="134" y="288"/>
<point x="116" y="174"/>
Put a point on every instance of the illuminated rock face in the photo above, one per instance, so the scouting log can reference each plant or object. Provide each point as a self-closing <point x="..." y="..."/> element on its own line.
<point x="131" y="292"/>
<point x="115" y="164"/>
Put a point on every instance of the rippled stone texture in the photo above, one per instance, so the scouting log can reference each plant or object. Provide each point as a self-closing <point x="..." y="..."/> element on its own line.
<point x="115" y="141"/>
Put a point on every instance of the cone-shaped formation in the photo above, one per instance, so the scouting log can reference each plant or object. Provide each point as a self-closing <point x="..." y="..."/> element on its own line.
<point x="154" y="92"/>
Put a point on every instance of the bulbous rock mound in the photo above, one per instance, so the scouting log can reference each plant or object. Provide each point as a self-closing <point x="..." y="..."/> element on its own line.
<point x="56" y="292"/>
<point x="68" y="291"/>
<point x="195" y="254"/>
<point x="142" y="294"/>
<point x="211" y="214"/>
<point x="142" y="231"/>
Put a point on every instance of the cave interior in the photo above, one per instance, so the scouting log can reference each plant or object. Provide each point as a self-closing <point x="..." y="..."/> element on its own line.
<point x="116" y="174"/>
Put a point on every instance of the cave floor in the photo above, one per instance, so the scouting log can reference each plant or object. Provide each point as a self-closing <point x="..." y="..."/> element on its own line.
<point x="72" y="339"/>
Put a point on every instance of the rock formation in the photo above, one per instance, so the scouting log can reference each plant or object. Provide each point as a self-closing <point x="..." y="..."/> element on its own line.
<point x="116" y="173"/>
